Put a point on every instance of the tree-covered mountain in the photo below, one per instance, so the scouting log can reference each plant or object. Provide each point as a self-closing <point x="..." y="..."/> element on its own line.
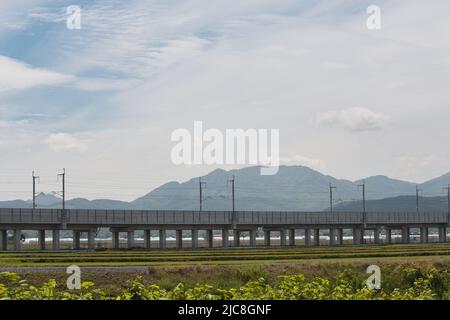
<point x="399" y="204"/>
<point x="292" y="188"/>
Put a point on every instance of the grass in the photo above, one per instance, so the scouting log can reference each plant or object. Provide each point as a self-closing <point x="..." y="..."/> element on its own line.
<point x="394" y="274"/>
<point x="139" y="257"/>
<point x="226" y="268"/>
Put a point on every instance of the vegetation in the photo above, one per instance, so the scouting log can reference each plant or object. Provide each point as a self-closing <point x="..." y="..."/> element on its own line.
<point x="220" y="256"/>
<point x="432" y="285"/>
<point x="408" y="272"/>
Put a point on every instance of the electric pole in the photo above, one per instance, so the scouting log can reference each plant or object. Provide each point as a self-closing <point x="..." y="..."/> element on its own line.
<point x="232" y="191"/>
<point x="417" y="198"/>
<point x="63" y="176"/>
<point x="34" y="188"/>
<point x="331" y="197"/>
<point x="363" y="186"/>
<point x="201" y="184"/>
<point x="448" y="201"/>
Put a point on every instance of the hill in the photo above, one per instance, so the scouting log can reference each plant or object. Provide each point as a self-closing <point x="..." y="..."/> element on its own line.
<point x="292" y="188"/>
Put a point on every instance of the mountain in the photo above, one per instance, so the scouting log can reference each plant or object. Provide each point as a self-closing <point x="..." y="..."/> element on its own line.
<point x="43" y="199"/>
<point x="387" y="186"/>
<point x="436" y="186"/>
<point x="80" y="203"/>
<point x="400" y="204"/>
<point x="292" y="188"/>
<point x="15" y="204"/>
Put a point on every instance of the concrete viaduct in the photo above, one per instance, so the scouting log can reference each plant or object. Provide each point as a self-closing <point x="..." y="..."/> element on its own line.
<point x="239" y="221"/>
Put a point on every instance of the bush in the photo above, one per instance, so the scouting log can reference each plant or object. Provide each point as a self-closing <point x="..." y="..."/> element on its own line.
<point x="429" y="285"/>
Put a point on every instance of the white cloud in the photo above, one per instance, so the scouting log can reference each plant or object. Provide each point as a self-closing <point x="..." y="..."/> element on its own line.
<point x="13" y="14"/>
<point x="64" y="142"/>
<point x="103" y="84"/>
<point x="354" y="119"/>
<point x="13" y="124"/>
<point x="18" y="75"/>
<point x="334" y="65"/>
<point x="317" y="164"/>
<point x="421" y="167"/>
<point x="258" y="63"/>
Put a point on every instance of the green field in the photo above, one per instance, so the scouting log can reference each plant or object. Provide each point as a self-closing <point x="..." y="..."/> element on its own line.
<point x="223" y="256"/>
<point x="413" y="269"/>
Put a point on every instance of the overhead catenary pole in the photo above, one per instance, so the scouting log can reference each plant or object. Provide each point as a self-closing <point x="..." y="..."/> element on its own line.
<point x="63" y="191"/>
<point x="363" y="186"/>
<point x="331" y="197"/>
<point x="201" y="184"/>
<point x="448" y="202"/>
<point x="417" y="198"/>
<point x="232" y="192"/>
<point x="233" y="213"/>
<point x="34" y="188"/>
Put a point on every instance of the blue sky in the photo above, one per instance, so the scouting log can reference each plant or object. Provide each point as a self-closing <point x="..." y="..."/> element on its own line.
<point x="102" y="101"/>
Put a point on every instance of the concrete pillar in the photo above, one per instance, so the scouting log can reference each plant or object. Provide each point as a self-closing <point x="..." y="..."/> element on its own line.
<point x="17" y="242"/>
<point x="283" y="237"/>
<point x="194" y="239"/>
<point x="442" y="234"/>
<point x="41" y="239"/>
<point x="376" y="235"/>
<point x="333" y="236"/>
<point x="3" y="240"/>
<point x="147" y="240"/>
<point x="55" y="239"/>
<point x="237" y="238"/>
<point x="210" y="236"/>
<point x="358" y="235"/>
<point x="76" y="235"/>
<point x="225" y="234"/>
<point x="253" y="238"/>
<point x="307" y="237"/>
<point x="267" y="238"/>
<point x="423" y="234"/>
<point x="130" y="239"/>
<point x="388" y="235"/>
<point x="91" y="238"/>
<point x="115" y="240"/>
<point x="292" y="237"/>
<point x="405" y="235"/>
<point x="317" y="237"/>
<point x="179" y="239"/>
<point x="162" y="239"/>
<point x="340" y="236"/>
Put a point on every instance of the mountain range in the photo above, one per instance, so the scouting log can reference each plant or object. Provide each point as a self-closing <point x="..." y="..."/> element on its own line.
<point x="292" y="188"/>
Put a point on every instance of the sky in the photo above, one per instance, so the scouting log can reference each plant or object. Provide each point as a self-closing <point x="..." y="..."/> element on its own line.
<point x="103" y="100"/>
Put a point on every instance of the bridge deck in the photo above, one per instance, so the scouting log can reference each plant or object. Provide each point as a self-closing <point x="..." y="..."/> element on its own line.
<point x="111" y="218"/>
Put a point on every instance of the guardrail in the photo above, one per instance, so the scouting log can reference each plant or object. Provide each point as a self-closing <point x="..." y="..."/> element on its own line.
<point x="173" y="217"/>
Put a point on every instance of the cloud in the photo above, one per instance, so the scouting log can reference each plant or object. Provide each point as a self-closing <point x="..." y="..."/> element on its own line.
<point x="259" y="64"/>
<point x="103" y="84"/>
<point x="353" y="119"/>
<point x="421" y="166"/>
<point x="13" y="124"/>
<point x="64" y="142"/>
<point x="18" y="75"/>
<point x="317" y="164"/>
<point x="334" y="65"/>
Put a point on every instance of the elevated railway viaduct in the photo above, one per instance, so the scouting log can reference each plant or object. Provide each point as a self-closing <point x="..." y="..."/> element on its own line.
<point x="286" y="223"/>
